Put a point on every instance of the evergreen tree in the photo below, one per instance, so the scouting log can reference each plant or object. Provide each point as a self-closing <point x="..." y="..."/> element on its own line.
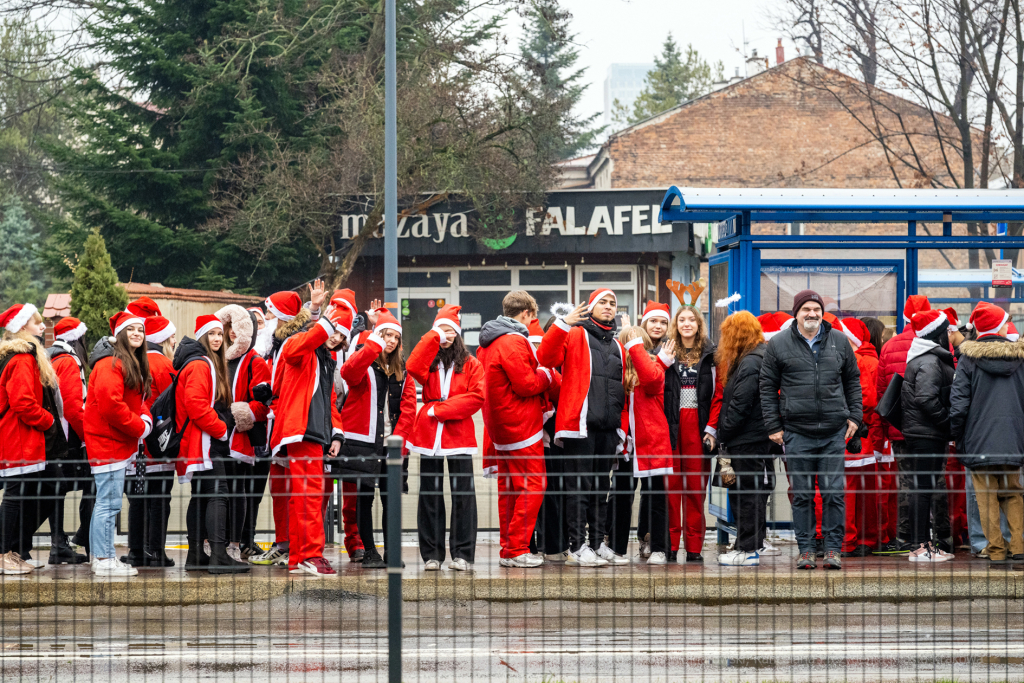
<point x="673" y="80"/>
<point x="550" y="57"/>
<point x="96" y="294"/>
<point x="22" y="279"/>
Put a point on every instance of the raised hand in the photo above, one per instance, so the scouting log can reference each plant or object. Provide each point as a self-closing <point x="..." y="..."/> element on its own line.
<point x="317" y="294"/>
<point x="578" y="314"/>
<point x="669" y="348"/>
<point x="372" y="314"/>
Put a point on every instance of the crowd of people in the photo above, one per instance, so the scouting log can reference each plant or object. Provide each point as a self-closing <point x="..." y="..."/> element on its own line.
<point x="577" y="414"/>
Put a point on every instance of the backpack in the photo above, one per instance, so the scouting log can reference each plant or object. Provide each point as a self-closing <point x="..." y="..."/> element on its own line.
<point x="164" y="440"/>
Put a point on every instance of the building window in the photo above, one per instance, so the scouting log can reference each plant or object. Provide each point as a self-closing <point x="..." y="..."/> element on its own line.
<point x="546" y="277"/>
<point x="431" y="278"/>
<point x="485" y="278"/>
<point x="623" y="280"/>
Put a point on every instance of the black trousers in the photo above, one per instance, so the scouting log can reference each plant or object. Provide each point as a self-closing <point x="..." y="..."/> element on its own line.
<point x="255" y="487"/>
<point x="925" y="459"/>
<point x="28" y="501"/>
<point x="75" y="476"/>
<point x="550" y="533"/>
<point x="755" y="481"/>
<point x="85" y="506"/>
<point x="237" y="472"/>
<point x="620" y="510"/>
<point x="939" y="502"/>
<point x="643" y="522"/>
<point x="587" y="465"/>
<point x="430" y="512"/>
<point x="367" y="484"/>
<point x="207" y="513"/>
<point x="148" y="512"/>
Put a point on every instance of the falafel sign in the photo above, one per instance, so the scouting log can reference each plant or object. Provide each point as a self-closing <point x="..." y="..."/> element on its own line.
<point x="579" y="221"/>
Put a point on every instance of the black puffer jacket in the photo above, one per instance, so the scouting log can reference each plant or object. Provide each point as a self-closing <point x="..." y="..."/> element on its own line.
<point x="925" y="396"/>
<point x="986" y="416"/>
<point x="817" y="396"/>
<point x="705" y="393"/>
<point x="606" y="396"/>
<point x="741" y="420"/>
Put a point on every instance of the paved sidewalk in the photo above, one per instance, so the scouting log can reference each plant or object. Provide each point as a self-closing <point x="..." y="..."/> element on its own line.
<point x="776" y="581"/>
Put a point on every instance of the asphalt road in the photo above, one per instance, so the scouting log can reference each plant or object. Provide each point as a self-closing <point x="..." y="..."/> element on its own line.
<point x="332" y="636"/>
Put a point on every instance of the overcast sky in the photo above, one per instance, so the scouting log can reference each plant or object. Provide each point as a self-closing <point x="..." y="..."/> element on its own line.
<point x="611" y="31"/>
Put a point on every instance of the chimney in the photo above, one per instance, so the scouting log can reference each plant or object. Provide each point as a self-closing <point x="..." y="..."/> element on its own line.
<point x="755" y="64"/>
<point x="780" y="53"/>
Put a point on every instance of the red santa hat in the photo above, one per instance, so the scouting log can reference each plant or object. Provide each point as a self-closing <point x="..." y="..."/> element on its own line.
<point x="386" y="321"/>
<point x="69" y="329"/>
<point x="988" y="319"/>
<point x="596" y="295"/>
<point x="284" y="305"/>
<point x="915" y="304"/>
<point x="856" y="331"/>
<point x="835" y="322"/>
<point x="1012" y="333"/>
<point x="259" y="313"/>
<point x="206" y="324"/>
<point x="341" y="318"/>
<point x="449" y="315"/>
<point x="769" y="325"/>
<point x="536" y="331"/>
<point x="347" y="298"/>
<point x="144" y="307"/>
<point x="928" y="323"/>
<point x="656" y="310"/>
<point x="953" y="318"/>
<point x="17" y="316"/>
<point x="159" y="329"/>
<point x="122" y="319"/>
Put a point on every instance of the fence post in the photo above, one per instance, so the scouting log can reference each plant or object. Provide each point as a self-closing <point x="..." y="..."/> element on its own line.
<point x="393" y="542"/>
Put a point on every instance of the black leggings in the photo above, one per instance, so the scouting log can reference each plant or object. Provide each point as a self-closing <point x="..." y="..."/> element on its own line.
<point x="28" y="501"/>
<point x="255" y="487"/>
<point x="924" y="458"/>
<point x="364" y="507"/>
<point x="755" y="481"/>
<point x="238" y="474"/>
<point x="148" y="512"/>
<point x="207" y="514"/>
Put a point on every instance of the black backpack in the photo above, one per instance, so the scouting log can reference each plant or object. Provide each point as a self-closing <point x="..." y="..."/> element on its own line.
<point x="164" y="440"/>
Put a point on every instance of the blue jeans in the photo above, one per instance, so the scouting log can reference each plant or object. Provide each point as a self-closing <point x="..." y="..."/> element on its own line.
<point x="808" y="457"/>
<point x="974" y="530"/>
<point x="109" y="489"/>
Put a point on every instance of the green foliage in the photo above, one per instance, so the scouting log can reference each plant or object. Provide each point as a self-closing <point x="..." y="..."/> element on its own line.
<point x="95" y="294"/>
<point x="22" y="279"/>
<point x="673" y="80"/>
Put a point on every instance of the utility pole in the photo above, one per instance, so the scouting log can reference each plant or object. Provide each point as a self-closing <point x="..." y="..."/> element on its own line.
<point x="390" y="163"/>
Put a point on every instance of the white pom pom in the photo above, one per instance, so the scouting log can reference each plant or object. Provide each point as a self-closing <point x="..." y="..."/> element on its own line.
<point x="722" y="303"/>
<point x="560" y="310"/>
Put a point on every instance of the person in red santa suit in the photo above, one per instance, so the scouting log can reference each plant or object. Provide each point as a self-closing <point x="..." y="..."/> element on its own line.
<point x="249" y="378"/>
<point x="68" y="357"/>
<point x="862" y="483"/>
<point x="655" y="320"/>
<point x="693" y="400"/>
<point x="116" y="421"/>
<point x="203" y="416"/>
<point x="377" y="381"/>
<point x="513" y="414"/>
<point x="453" y="392"/>
<point x="647" y="449"/>
<point x="30" y="424"/>
<point x="588" y="423"/>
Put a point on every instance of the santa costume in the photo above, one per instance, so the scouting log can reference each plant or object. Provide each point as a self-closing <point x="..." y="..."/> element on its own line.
<point x="657" y="311"/>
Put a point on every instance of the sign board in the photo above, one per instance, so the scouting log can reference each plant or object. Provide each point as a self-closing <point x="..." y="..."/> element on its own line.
<point x="569" y="222"/>
<point x="1002" y="272"/>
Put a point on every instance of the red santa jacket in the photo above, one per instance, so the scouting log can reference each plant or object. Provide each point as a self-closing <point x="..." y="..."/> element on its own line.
<point x="251" y="372"/>
<point x="444" y="424"/>
<point x="648" y="444"/>
<point x="116" y="418"/>
<point x="162" y="372"/>
<point x="360" y="414"/>
<point x="22" y="416"/>
<point x="296" y="377"/>
<point x="71" y="380"/>
<point x="891" y="361"/>
<point x="568" y="348"/>
<point x="871" y="447"/>
<point x="514" y="388"/>
<point x="193" y="400"/>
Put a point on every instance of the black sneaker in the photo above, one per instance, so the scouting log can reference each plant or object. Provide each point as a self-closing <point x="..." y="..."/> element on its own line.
<point x="135" y="558"/>
<point x="373" y="560"/>
<point x="819" y="547"/>
<point x="672" y="556"/>
<point x="695" y="557"/>
<point x="891" y="548"/>
<point x="357" y="555"/>
<point x="859" y="551"/>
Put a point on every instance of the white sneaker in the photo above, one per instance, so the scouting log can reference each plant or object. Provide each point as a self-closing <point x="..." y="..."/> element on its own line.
<point x="539" y="557"/>
<point x="275" y="556"/>
<point x="235" y="553"/>
<point x="606" y="553"/>
<point x="925" y="554"/>
<point x="739" y="558"/>
<point x="524" y="561"/>
<point x="460" y="564"/>
<point x="12" y="564"/>
<point x="35" y="563"/>
<point x="113" y="567"/>
<point x="432" y="566"/>
<point x="645" y="546"/>
<point x="586" y="557"/>
<point x="769" y="549"/>
<point x="657" y="558"/>
<point x="557" y="557"/>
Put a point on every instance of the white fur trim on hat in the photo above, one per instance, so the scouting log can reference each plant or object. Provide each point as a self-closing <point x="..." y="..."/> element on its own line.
<point x="208" y="327"/>
<point x="72" y="335"/>
<point x="600" y="294"/>
<point x="19" y="321"/>
<point x="163" y="335"/>
<point x="852" y="337"/>
<point x="127" y="322"/>
<point x="387" y="326"/>
<point x="450" y="323"/>
<point x="277" y="314"/>
<point x="656" y="313"/>
<point x="933" y="325"/>
<point x="994" y="330"/>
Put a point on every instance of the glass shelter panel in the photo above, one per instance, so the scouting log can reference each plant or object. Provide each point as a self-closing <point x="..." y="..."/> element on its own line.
<point x="848" y="290"/>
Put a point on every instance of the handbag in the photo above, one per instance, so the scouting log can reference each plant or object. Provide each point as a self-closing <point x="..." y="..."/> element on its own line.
<point x="890" y="407"/>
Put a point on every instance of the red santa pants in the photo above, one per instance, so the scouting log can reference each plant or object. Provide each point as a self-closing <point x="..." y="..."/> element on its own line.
<point x="956" y="495"/>
<point x="305" y="517"/>
<point x="348" y="512"/>
<point x="861" y="507"/>
<point x="687" y="486"/>
<point x="522" y="481"/>
<point x="280" y="490"/>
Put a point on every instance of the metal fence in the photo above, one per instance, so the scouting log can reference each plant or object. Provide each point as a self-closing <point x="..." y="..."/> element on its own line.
<point x="880" y="617"/>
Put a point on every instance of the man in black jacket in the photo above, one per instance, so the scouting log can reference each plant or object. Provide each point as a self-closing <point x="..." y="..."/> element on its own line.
<point x="987" y="424"/>
<point x="811" y="401"/>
